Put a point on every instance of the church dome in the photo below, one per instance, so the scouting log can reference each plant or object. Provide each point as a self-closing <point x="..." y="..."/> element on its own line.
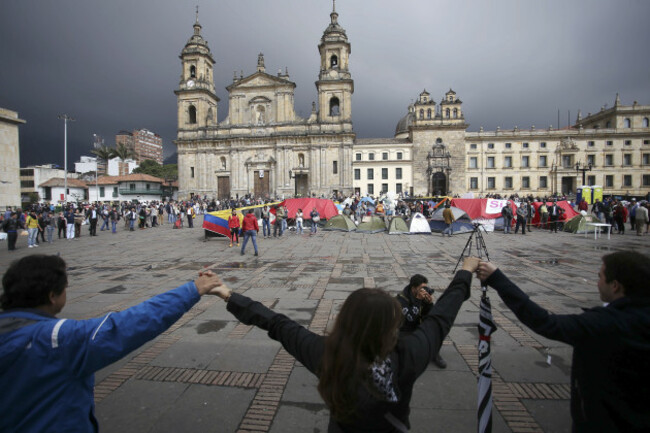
<point x="196" y="44"/>
<point x="404" y="123"/>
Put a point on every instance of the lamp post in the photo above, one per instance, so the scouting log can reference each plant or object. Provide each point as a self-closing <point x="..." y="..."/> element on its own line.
<point x="66" y="119"/>
<point x="584" y="169"/>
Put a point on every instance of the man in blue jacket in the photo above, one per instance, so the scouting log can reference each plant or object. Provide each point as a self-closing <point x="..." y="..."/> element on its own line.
<point x="610" y="373"/>
<point x="47" y="365"/>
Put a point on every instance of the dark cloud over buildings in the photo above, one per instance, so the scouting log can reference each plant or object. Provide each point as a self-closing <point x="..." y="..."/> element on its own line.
<point x="114" y="65"/>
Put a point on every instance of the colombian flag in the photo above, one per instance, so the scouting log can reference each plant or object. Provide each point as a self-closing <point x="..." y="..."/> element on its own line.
<point x="217" y="222"/>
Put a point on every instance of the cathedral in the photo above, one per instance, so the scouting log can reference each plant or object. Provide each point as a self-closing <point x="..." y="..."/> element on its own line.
<point x="263" y="148"/>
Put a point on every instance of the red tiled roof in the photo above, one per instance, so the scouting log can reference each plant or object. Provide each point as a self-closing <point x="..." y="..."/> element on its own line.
<point x="59" y="181"/>
<point x="114" y="180"/>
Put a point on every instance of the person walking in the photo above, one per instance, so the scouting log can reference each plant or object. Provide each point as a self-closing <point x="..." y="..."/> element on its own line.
<point x="92" y="219"/>
<point x="554" y="213"/>
<point x="610" y="379"/>
<point x="266" y="225"/>
<point x="52" y="223"/>
<point x="48" y="364"/>
<point x="366" y="369"/>
<point x="250" y="229"/>
<point x="448" y="216"/>
<point x="315" y="218"/>
<point x="114" y="216"/>
<point x="233" y="225"/>
<point x="191" y="214"/>
<point x="69" y="219"/>
<point x="641" y="219"/>
<point x="61" y="225"/>
<point x="299" y="220"/>
<point x="104" y="214"/>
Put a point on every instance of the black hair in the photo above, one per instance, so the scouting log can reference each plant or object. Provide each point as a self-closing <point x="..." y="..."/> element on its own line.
<point x="29" y="281"/>
<point x="631" y="270"/>
<point x="417" y="279"/>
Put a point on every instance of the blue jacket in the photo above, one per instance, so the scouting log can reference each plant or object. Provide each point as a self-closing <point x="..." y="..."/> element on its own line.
<point x="47" y="365"/>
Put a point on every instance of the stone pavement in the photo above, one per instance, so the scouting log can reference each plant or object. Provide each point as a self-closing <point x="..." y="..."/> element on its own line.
<point x="209" y="373"/>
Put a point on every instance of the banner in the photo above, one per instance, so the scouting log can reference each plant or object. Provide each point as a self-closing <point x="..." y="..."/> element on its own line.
<point x="494" y="206"/>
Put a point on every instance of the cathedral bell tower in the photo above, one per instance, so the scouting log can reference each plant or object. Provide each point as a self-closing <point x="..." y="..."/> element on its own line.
<point x="196" y="97"/>
<point x="335" y="85"/>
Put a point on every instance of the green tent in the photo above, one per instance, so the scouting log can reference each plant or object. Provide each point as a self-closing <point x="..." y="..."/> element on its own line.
<point x="578" y="224"/>
<point x="398" y="227"/>
<point x="341" y="223"/>
<point x="372" y="224"/>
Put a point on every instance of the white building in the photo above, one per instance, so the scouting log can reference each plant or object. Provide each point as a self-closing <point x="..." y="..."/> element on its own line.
<point x="141" y="187"/>
<point x="53" y="190"/>
<point x="116" y="167"/>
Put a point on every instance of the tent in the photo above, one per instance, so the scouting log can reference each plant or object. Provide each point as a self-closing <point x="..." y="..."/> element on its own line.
<point x="486" y="211"/>
<point x="398" y="227"/>
<point x="367" y="199"/>
<point x="341" y="223"/>
<point x="326" y="208"/>
<point x="372" y="224"/>
<point x="568" y="214"/>
<point x="463" y="223"/>
<point x="578" y="224"/>
<point x="419" y="224"/>
<point x="217" y="222"/>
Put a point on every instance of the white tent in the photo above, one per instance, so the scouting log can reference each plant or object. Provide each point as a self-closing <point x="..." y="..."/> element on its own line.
<point x="419" y="224"/>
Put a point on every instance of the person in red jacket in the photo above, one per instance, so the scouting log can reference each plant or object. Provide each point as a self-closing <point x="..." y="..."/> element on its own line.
<point x="233" y="225"/>
<point x="250" y="229"/>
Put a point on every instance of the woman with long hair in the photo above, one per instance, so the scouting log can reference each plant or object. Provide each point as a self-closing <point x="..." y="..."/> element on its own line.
<point x="366" y="369"/>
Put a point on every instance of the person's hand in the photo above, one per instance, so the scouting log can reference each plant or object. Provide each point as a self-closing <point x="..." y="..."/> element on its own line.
<point x="485" y="269"/>
<point x="424" y="296"/>
<point x="470" y="263"/>
<point x="207" y="282"/>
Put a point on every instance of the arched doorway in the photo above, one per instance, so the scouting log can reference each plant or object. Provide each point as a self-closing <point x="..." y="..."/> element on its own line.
<point x="439" y="183"/>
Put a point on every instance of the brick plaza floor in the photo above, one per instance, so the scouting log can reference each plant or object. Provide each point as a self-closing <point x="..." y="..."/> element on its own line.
<point x="208" y="373"/>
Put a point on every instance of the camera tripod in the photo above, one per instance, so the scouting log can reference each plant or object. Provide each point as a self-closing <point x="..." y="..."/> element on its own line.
<point x="478" y="244"/>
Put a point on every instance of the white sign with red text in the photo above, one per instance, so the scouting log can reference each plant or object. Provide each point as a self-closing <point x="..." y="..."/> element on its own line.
<point x="493" y="206"/>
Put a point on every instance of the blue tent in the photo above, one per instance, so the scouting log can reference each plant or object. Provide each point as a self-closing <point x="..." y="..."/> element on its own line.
<point x="463" y="223"/>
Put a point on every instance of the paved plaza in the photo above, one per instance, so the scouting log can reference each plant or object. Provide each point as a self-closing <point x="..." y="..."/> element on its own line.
<point x="209" y="373"/>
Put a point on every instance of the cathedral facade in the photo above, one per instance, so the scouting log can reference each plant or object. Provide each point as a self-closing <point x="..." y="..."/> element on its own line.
<point x="265" y="149"/>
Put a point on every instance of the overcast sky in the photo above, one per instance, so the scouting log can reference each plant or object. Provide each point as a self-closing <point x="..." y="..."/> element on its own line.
<point x="114" y="65"/>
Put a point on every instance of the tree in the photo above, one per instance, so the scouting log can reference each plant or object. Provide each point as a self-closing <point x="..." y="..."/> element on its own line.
<point x="103" y="153"/>
<point x="123" y="152"/>
<point x="148" y="166"/>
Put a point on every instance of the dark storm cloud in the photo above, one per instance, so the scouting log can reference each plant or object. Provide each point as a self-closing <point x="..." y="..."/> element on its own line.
<point x="114" y="65"/>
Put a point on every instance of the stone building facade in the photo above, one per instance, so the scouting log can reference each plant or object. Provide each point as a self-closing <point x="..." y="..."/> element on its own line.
<point x="264" y="149"/>
<point x="10" y="161"/>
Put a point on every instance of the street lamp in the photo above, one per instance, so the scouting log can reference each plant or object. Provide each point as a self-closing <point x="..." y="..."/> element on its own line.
<point x="584" y="169"/>
<point x="65" y="118"/>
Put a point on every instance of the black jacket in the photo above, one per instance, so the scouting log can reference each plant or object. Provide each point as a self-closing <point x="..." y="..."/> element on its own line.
<point x="409" y="358"/>
<point x="610" y="371"/>
<point x="413" y="309"/>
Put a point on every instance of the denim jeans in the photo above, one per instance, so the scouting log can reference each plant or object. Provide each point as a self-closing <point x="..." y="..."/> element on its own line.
<point x="298" y="227"/>
<point x="314" y="227"/>
<point x="249" y="234"/>
<point x="31" y="236"/>
<point x="266" y="227"/>
<point x="114" y="226"/>
<point x="449" y="230"/>
<point x="50" y="232"/>
<point x="104" y="225"/>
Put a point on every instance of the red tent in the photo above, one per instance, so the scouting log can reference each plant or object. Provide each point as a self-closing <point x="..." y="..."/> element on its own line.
<point x="569" y="212"/>
<point x="326" y="208"/>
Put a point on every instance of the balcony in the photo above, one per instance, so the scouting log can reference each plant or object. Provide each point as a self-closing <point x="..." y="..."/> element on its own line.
<point x="140" y="191"/>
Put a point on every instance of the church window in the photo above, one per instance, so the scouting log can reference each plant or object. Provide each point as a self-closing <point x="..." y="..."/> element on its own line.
<point x="447" y="113"/>
<point x="301" y="159"/>
<point x="192" y="114"/>
<point x="334" y="62"/>
<point x="490" y="145"/>
<point x="398" y="188"/>
<point x="358" y="157"/>
<point x="473" y="183"/>
<point x="525" y="182"/>
<point x="193" y="71"/>
<point x="223" y="163"/>
<point x="525" y="161"/>
<point x="334" y="106"/>
<point x="490" y="162"/>
<point x="384" y="156"/>
<point x="508" y="145"/>
<point x="543" y="182"/>
<point x="455" y="113"/>
<point x="507" y="163"/>
<point x="384" y="188"/>
<point x="398" y="173"/>
<point x="508" y="182"/>
<point x="472" y="146"/>
<point x="627" y="159"/>
<point x="491" y="184"/>
<point x="628" y="142"/>
<point x="429" y="113"/>
<point x="192" y="172"/>
<point x="627" y="180"/>
<point x="384" y="173"/>
<point x="421" y="113"/>
<point x="646" y="122"/>
<point x="542" y="144"/>
<point x="473" y="162"/>
<point x="399" y="155"/>
<point x="370" y="174"/>
<point x="627" y="123"/>
<point x="371" y="188"/>
<point x="371" y="157"/>
<point x="609" y="143"/>
<point x="357" y="174"/>
<point x="609" y="181"/>
<point x="335" y="167"/>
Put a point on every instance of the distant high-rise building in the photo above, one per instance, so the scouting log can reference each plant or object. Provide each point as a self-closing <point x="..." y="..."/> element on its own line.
<point x="143" y="143"/>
